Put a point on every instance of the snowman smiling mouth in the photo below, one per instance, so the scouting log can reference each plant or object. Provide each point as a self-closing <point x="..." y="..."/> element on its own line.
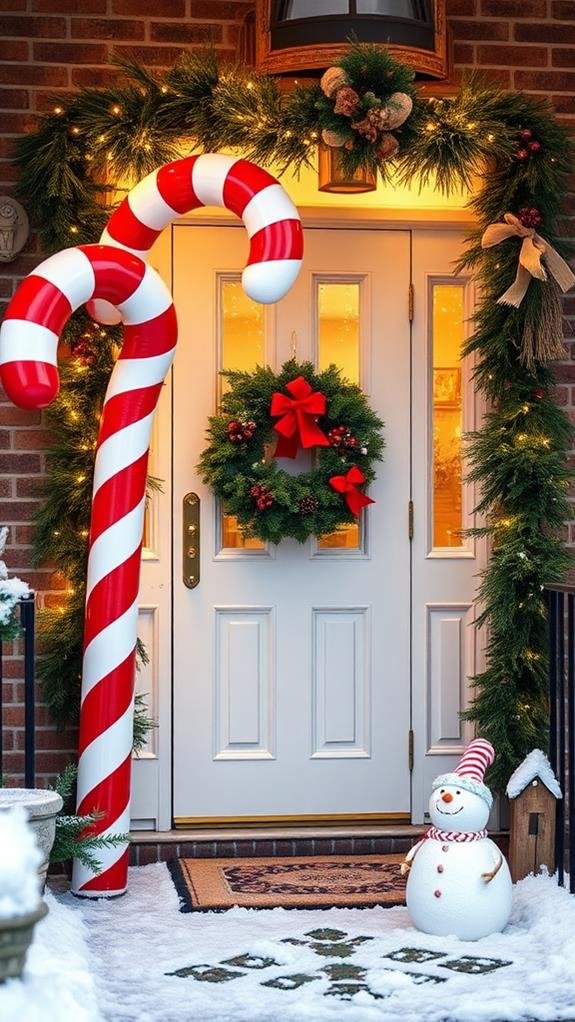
<point x="444" y="813"/>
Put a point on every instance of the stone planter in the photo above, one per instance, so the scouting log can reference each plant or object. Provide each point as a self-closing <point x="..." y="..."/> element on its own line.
<point x="42" y="808"/>
<point x="15" y="939"/>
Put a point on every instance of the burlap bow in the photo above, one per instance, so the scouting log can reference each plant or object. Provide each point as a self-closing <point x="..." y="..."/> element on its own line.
<point x="533" y="249"/>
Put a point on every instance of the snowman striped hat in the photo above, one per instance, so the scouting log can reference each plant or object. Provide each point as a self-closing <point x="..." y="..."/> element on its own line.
<point x="470" y="770"/>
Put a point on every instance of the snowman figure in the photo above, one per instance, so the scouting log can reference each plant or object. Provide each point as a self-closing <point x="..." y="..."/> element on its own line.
<point x="459" y="882"/>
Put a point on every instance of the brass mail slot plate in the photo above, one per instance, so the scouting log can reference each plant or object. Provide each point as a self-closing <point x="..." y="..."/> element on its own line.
<point x="191" y="540"/>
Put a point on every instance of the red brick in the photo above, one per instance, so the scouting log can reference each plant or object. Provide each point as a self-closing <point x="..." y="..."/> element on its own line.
<point x="541" y="33"/>
<point x="5" y="439"/>
<point x="48" y="739"/>
<point x="463" y="53"/>
<point x="107" y="28"/>
<point x="71" y="6"/>
<point x="48" y="28"/>
<point x="8" y="172"/>
<point x="14" y="99"/>
<point x="13" y="5"/>
<point x="13" y="761"/>
<point x="23" y="534"/>
<point x="29" y="487"/>
<point x="96" y="77"/>
<point x="50" y="762"/>
<point x="563" y="10"/>
<point x="71" y="53"/>
<point x="563" y="56"/>
<point x="563" y="104"/>
<point x="480" y="29"/>
<point x="505" y="55"/>
<point x="545" y="81"/>
<point x="13" y="715"/>
<point x="178" y="32"/>
<point x="32" y="439"/>
<point x="461" y="7"/>
<point x="15" y="49"/>
<point x="6" y="284"/>
<point x="12" y="416"/>
<point x="155" y="56"/>
<point x="19" y="511"/>
<point x="18" y="123"/>
<point x="491" y="74"/>
<point x="162" y="8"/>
<point x="20" y="463"/>
<point x="14" y="74"/>
<point x="6" y="488"/>
<point x="219" y="10"/>
<point x="514" y="8"/>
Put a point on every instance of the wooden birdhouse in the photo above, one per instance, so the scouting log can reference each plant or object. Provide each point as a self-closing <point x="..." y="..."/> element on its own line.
<point x="533" y="791"/>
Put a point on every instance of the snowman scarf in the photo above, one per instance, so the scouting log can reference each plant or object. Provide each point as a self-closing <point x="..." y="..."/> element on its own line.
<point x="455" y="835"/>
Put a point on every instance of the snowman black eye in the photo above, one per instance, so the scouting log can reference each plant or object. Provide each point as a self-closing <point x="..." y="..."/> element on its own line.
<point x="441" y="790"/>
<point x="458" y="793"/>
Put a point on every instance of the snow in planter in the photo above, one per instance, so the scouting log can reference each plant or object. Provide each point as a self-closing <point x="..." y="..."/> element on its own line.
<point x="11" y="590"/>
<point x="20" y="858"/>
<point x="154" y="963"/>
<point x="58" y="984"/>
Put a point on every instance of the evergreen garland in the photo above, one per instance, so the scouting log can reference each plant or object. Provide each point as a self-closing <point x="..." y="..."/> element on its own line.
<point x="73" y="839"/>
<point x="514" y="152"/>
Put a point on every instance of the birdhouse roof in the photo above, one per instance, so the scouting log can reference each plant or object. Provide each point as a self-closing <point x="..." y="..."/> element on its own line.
<point x="534" y="765"/>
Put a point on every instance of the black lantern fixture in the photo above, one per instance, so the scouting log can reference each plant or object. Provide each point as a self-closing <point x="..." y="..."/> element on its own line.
<point x="293" y="36"/>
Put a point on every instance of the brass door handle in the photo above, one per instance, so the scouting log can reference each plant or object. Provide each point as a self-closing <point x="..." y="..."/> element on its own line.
<point x="191" y="540"/>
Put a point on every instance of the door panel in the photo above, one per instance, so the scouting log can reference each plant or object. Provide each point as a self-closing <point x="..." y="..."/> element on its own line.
<point x="446" y="650"/>
<point x="291" y="664"/>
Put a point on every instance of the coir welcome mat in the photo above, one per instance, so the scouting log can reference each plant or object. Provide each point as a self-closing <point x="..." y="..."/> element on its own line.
<point x="312" y="881"/>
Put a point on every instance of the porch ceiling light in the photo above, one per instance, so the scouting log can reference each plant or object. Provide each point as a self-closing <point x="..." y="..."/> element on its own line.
<point x="298" y="35"/>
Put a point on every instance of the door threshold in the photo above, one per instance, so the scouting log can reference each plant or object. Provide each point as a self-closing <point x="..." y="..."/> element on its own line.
<point x="276" y="834"/>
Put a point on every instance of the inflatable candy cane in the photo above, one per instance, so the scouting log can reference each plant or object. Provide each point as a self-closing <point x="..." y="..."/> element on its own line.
<point x="212" y="179"/>
<point x="120" y="280"/>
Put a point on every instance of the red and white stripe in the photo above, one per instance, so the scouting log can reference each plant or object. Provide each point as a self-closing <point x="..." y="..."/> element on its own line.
<point x="28" y="341"/>
<point x="212" y="179"/>
<point x="478" y="755"/>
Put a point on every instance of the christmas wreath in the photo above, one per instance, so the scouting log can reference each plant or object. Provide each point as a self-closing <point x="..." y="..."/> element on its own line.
<point x="266" y="417"/>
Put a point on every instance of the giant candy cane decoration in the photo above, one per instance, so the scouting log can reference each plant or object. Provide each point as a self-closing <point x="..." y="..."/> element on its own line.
<point x="113" y="275"/>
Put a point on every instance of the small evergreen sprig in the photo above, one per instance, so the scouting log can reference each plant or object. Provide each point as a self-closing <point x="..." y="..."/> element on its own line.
<point x="73" y="838"/>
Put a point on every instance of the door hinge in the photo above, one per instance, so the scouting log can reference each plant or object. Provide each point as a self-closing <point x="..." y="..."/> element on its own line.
<point x="410" y="519"/>
<point x="410" y="749"/>
<point x="410" y="302"/>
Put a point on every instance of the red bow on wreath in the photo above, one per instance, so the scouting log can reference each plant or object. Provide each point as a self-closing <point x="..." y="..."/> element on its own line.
<point x="297" y="425"/>
<point x="348" y="486"/>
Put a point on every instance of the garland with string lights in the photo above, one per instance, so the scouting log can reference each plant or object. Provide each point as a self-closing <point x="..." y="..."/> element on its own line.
<point x="516" y="155"/>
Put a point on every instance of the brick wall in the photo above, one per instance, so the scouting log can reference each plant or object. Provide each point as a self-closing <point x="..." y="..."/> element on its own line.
<point x="51" y="46"/>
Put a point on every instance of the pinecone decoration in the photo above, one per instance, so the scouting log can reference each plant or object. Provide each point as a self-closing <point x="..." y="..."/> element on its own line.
<point x="334" y="139"/>
<point x="262" y="496"/>
<point x="239" y="431"/>
<point x="308" y="505"/>
<point x="387" y="147"/>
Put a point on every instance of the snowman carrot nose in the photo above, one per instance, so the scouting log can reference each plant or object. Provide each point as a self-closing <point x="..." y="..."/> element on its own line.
<point x="447" y="797"/>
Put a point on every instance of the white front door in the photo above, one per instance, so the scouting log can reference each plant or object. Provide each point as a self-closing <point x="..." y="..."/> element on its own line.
<point x="292" y="663"/>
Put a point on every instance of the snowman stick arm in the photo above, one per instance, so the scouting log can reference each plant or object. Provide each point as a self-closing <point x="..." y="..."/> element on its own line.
<point x="406" y="864"/>
<point x="489" y="876"/>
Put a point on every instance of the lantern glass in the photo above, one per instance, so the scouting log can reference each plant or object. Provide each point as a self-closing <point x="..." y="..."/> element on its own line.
<point x="333" y="178"/>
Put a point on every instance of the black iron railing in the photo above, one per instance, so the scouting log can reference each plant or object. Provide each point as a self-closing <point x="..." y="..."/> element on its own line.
<point x="27" y="616"/>
<point x="561" y="603"/>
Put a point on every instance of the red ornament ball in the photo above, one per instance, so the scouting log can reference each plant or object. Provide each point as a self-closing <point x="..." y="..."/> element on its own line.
<point x="341" y="436"/>
<point x="534" y="147"/>
<point x="240" y="431"/>
<point x="525" y="133"/>
<point x="539" y="394"/>
<point x="522" y="154"/>
<point x="530" y="216"/>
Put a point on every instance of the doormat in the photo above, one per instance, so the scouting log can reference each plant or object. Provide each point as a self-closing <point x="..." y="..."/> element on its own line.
<point x="312" y="881"/>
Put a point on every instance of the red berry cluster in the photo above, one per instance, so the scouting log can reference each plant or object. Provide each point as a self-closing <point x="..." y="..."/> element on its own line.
<point x="340" y="436"/>
<point x="239" y="431"/>
<point x="528" y="146"/>
<point x="529" y="216"/>
<point x="262" y="496"/>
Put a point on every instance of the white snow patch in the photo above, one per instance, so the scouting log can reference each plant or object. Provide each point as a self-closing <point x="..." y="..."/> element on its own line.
<point x="534" y="765"/>
<point x="58" y="984"/>
<point x="20" y="858"/>
<point x="137" y="939"/>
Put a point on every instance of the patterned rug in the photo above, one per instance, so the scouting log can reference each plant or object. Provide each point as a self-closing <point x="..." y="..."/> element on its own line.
<point x="312" y="881"/>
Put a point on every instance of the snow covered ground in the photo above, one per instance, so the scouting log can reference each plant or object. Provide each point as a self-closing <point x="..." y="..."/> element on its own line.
<point x="340" y="965"/>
